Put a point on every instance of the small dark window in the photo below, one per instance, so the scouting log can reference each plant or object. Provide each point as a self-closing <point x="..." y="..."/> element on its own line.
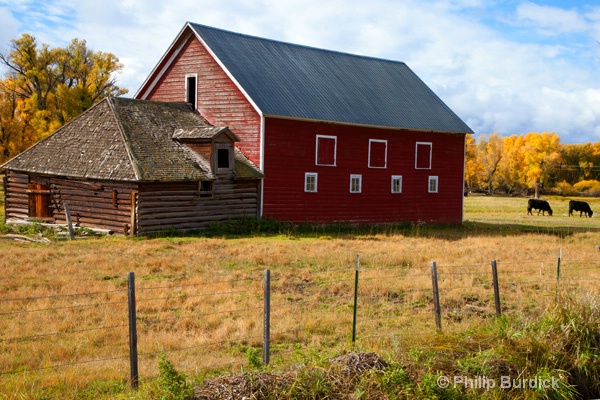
<point x="206" y="188"/>
<point x="223" y="158"/>
<point x="190" y="90"/>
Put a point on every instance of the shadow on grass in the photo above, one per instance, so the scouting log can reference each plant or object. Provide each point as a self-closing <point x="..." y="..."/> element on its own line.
<point x="263" y="227"/>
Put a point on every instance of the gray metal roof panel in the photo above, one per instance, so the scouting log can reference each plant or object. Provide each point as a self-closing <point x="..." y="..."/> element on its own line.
<point x="296" y="81"/>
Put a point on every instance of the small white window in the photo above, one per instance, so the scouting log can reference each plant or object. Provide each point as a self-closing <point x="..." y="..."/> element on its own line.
<point x="355" y="183"/>
<point x="310" y="182"/>
<point x="396" y="184"/>
<point x="377" y="153"/>
<point x="433" y="184"/>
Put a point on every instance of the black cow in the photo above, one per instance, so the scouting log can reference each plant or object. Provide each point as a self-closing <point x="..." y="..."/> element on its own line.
<point x="581" y="206"/>
<point x="540" y="205"/>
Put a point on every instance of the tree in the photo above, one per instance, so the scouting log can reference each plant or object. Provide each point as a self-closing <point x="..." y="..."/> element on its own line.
<point x="472" y="165"/>
<point x="510" y="167"/>
<point x="490" y="152"/>
<point x="541" y="156"/>
<point x="45" y="88"/>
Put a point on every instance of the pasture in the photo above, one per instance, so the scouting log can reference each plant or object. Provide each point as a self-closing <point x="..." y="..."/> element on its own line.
<point x="200" y="298"/>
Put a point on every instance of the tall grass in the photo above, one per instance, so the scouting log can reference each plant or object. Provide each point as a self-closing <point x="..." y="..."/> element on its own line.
<point x="312" y="271"/>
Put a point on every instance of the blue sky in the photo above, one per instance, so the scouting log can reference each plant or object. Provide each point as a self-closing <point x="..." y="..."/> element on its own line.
<point x="511" y="67"/>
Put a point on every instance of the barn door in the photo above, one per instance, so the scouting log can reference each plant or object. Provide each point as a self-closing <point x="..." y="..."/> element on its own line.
<point x="39" y="201"/>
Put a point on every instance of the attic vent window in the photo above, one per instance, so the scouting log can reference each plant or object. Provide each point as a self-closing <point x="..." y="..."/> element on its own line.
<point x="223" y="158"/>
<point x="191" y="90"/>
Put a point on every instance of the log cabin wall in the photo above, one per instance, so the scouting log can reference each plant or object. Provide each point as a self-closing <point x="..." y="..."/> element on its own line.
<point x="94" y="204"/>
<point x="181" y="206"/>
<point x="16" y="203"/>
<point x="156" y="206"/>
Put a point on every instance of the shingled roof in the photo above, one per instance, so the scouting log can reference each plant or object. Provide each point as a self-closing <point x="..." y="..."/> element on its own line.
<point x="295" y="81"/>
<point x="127" y="139"/>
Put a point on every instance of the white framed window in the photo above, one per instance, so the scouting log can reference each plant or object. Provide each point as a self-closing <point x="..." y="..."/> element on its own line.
<point x="355" y="183"/>
<point x="377" y="153"/>
<point x="433" y="184"/>
<point x="326" y="150"/>
<point x="191" y="90"/>
<point x="423" y="154"/>
<point x="396" y="183"/>
<point x="310" y="182"/>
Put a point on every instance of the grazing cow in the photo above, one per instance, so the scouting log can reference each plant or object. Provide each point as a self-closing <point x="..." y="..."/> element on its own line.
<point x="540" y="205"/>
<point x="581" y="206"/>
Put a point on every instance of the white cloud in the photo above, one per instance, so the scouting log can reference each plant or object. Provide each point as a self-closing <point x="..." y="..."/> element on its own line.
<point x="9" y="28"/>
<point x="550" y="20"/>
<point x="528" y="68"/>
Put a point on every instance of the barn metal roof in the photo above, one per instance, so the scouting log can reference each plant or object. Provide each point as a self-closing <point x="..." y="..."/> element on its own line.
<point x="289" y="80"/>
<point x="127" y="139"/>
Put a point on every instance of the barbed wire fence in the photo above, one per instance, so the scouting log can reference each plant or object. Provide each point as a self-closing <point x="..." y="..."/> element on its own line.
<point x="224" y="325"/>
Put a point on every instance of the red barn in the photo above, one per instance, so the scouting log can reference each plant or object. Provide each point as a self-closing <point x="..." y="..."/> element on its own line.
<point x="338" y="137"/>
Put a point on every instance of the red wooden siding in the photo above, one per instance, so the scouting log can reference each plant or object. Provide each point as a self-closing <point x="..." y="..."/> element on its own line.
<point x="219" y="100"/>
<point x="286" y="161"/>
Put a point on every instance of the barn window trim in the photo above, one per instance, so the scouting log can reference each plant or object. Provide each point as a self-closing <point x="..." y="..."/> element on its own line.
<point x="334" y="138"/>
<point x="310" y="182"/>
<point x="223" y="158"/>
<point x="422" y="145"/>
<point x="355" y="183"/>
<point x="191" y="90"/>
<point x="396" y="184"/>
<point x="433" y="184"/>
<point x="384" y="156"/>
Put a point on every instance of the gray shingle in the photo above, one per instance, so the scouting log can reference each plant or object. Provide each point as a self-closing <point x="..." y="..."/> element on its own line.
<point x="126" y="139"/>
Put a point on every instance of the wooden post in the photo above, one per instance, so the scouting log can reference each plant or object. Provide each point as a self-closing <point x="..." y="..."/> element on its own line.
<point x="496" y="288"/>
<point x="4" y="184"/>
<point x="133" y="355"/>
<point x="436" y="296"/>
<point x="267" y="317"/>
<point x="558" y="270"/>
<point x="355" y="300"/>
<point x="69" y="221"/>
<point x="133" y="228"/>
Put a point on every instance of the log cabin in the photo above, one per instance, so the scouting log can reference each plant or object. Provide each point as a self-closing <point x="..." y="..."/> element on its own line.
<point x="338" y="136"/>
<point x="133" y="167"/>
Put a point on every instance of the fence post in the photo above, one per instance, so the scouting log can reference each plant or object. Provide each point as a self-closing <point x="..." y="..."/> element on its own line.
<point x="558" y="269"/>
<point x="267" y="317"/>
<point x="69" y="221"/>
<point x="558" y="265"/>
<point x="355" y="299"/>
<point x="496" y="288"/>
<point x="133" y="355"/>
<point x="436" y="296"/>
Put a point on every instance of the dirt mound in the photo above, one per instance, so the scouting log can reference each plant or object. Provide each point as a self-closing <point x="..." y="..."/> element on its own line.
<point x="354" y="363"/>
<point x="263" y="385"/>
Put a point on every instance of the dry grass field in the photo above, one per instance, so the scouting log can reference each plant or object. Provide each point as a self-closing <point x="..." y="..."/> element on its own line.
<point x="63" y="314"/>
